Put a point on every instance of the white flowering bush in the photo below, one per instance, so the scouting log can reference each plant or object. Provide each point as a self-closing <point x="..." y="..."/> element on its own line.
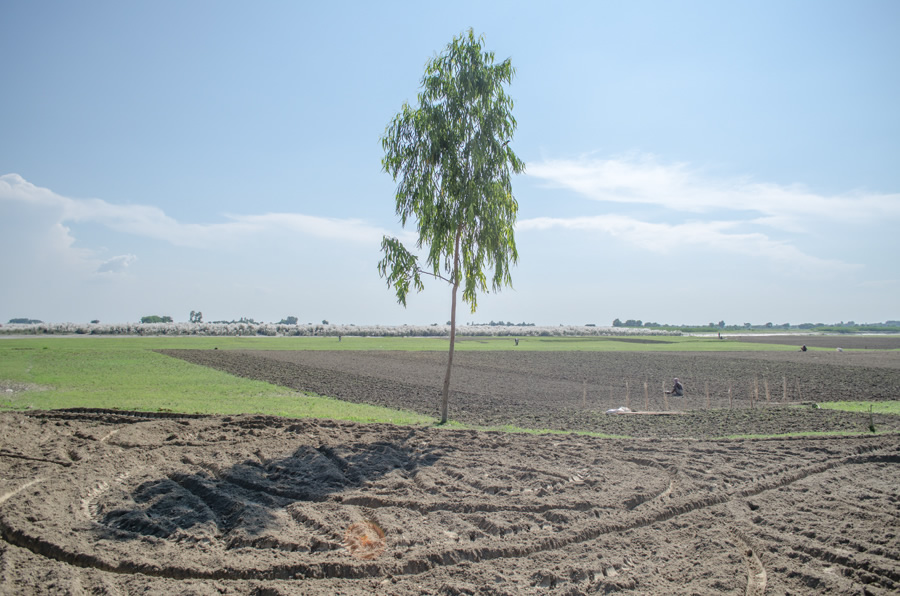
<point x="310" y="330"/>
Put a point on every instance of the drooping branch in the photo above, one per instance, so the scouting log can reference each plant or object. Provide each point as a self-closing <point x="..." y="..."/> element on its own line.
<point x="401" y="269"/>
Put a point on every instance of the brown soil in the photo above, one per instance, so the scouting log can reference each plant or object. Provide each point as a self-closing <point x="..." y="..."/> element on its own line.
<point x="122" y="503"/>
<point x="573" y="390"/>
<point x="856" y="342"/>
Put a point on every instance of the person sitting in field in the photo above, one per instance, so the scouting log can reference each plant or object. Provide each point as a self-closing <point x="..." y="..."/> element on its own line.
<point x="803" y="348"/>
<point x="678" y="389"/>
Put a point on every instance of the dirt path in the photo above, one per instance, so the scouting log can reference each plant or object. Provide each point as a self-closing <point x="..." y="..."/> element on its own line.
<point x="115" y="504"/>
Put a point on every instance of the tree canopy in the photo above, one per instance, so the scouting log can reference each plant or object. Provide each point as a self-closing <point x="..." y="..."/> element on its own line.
<point x="156" y="319"/>
<point x="452" y="159"/>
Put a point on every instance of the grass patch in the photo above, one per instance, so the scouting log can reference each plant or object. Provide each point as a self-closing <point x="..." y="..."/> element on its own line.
<point x="877" y="407"/>
<point x="128" y="375"/>
<point x="807" y="434"/>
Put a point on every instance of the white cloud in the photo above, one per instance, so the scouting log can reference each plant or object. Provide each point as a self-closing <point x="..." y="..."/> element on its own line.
<point x="32" y="228"/>
<point x="642" y="179"/>
<point x="63" y="269"/>
<point x="152" y="222"/>
<point x="353" y="230"/>
<point x="761" y="220"/>
<point x="116" y="264"/>
<point x="715" y="236"/>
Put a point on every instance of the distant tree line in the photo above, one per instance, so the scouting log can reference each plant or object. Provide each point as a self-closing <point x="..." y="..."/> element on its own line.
<point x="286" y="326"/>
<point x="500" y="324"/>
<point x="156" y="319"/>
<point x="842" y="327"/>
<point x="245" y="320"/>
<point x="324" y="330"/>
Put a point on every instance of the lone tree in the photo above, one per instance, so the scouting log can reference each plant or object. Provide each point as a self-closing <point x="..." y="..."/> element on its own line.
<point x="452" y="158"/>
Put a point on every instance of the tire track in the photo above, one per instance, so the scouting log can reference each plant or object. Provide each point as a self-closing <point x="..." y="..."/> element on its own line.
<point x="417" y="564"/>
<point x="10" y="494"/>
<point x="756" y="573"/>
<point x="878" y="567"/>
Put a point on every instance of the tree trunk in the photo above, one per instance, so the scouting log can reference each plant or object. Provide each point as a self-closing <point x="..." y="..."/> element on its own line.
<point x="445" y="394"/>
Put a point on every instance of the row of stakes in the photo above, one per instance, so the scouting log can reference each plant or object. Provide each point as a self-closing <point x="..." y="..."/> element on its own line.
<point x="754" y="394"/>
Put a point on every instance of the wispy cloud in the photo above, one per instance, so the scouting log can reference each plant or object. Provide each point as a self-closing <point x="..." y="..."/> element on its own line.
<point x="643" y="179"/>
<point x="68" y="264"/>
<point x="354" y="230"/>
<point x="736" y="216"/>
<point x="118" y="264"/>
<point x="152" y="222"/>
<point x="717" y="236"/>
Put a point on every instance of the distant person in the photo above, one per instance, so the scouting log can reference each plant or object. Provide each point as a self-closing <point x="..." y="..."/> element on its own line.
<point x="803" y="348"/>
<point x="517" y="341"/>
<point x="677" y="389"/>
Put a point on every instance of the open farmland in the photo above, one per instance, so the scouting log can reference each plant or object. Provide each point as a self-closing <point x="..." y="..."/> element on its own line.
<point x="573" y="390"/>
<point x="123" y="503"/>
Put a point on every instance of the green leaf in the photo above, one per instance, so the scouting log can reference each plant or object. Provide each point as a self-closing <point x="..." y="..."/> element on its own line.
<point x="453" y="163"/>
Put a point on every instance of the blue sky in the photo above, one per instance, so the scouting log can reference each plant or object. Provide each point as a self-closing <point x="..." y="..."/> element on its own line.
<point x="687" y="162"/>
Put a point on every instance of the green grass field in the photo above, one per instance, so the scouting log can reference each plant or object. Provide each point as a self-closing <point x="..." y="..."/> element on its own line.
<point x="125" y="373"/>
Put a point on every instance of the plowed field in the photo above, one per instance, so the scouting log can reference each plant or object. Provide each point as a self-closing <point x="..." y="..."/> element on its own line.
<point x="119" y="503"/>
<point x="725" y="391"/>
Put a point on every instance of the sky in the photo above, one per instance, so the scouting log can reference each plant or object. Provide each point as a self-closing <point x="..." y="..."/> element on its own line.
<point x="686" y="162"/>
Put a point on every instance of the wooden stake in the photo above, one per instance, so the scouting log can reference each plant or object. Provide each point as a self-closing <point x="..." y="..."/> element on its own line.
<point x="783" y="389"/>
<point x="730" y="403"/>
<point x="707" y="394"/>
<point x="627" y="394"/>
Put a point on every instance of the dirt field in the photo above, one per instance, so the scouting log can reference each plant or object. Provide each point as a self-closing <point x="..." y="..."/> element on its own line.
<point x="573" y="390"/>
<point x="119" y="503"/>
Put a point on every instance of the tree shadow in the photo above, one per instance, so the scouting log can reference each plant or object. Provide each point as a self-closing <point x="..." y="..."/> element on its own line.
<point x="256" y="496"/>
